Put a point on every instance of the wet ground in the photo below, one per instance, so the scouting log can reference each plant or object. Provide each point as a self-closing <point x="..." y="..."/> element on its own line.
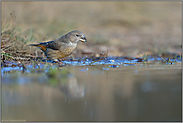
<point x="112" y="89"/>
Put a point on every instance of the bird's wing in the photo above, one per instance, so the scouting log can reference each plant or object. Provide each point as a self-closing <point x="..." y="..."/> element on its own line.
<point x="58" y="43"/>
<point x="53" y="45"/>
<point x="50" y="44"/>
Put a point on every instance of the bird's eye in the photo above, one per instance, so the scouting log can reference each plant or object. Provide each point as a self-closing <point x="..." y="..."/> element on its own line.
<point x="77" y="35"/>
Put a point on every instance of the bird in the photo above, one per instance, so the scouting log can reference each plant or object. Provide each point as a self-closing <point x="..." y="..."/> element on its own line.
<point x="61" y="47"/>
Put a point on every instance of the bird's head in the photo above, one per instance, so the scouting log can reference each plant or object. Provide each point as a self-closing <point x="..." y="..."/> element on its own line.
<point x="76" y="36"/>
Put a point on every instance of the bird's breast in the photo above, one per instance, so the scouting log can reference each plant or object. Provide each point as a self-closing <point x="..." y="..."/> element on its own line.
<point x="69" y="48"/>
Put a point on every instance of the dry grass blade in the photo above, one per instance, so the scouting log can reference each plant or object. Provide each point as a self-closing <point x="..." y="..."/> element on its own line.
<point x="7" y="46"/>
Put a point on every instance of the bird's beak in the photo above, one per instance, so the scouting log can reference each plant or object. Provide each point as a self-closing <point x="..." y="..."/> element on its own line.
<point x="83" y="38"/>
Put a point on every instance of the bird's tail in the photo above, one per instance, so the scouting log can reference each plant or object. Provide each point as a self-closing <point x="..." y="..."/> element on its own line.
<point x="42" y="46"/>
<point x="33" y="45"/>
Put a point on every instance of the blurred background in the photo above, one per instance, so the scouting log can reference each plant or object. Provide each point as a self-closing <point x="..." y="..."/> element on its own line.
<point x="124" y="28"/>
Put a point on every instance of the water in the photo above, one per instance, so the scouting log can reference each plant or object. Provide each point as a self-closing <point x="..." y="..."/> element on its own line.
<point x="94" y="93"/>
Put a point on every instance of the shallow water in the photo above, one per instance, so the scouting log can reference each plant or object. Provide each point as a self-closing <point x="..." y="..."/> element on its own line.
<point x="124" y="92"/>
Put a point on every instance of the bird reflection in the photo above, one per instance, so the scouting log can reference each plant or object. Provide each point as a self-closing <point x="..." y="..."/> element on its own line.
<point x="72" y="89"/>
<point x="67" y="83"/>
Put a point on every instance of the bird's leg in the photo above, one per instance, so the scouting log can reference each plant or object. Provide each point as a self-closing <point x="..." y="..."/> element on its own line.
<point x="58" y="61"/>
<point x="72" y="57"/>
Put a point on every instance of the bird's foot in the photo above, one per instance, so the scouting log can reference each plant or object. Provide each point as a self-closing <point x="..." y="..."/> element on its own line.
<point x="60" y="63"/>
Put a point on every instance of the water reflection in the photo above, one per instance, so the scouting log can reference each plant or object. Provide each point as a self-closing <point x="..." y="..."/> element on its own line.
<point x="72" y="89"/>
<point x="124" y="93"/>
